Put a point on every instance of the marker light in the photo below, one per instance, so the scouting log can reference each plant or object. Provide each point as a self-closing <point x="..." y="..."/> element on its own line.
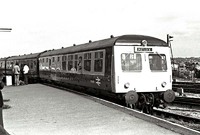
<point x="127" y="85"/>
<point x="163" y="84"/>
<point x="144" y="42"/>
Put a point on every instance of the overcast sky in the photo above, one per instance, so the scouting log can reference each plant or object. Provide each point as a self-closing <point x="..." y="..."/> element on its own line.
<point x="39" y="25"/>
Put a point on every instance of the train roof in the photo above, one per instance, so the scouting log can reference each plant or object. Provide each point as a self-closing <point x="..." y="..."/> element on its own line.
<point x="3" y="59"/>
<point x="123" y="40"/>
<point x="25" y="56"/>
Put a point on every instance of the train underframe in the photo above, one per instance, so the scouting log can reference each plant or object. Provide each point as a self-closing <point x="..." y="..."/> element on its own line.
<point x="140" y="101"/>
<point x="146" y="101"/>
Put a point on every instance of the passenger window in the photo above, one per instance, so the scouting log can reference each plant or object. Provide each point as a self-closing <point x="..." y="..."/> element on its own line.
<point x="64" y="58"/>
<point x="58" y="58"/>
<point x="87" y="61"/>
<point x="75" y="61"/>
<point x="70" y="62"/>
<point x="98" y="62"/>
<point x="53" y="59"/>
<point x="131" y="62"/>
<point x="157" y="62"/>
<point x="31" y="65"/>
<point x="79" y="64"/>
<point x="64" y="63"/>
<point x="35" y="63"/>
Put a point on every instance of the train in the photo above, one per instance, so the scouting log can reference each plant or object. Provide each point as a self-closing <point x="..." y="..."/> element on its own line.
<point x="133" y="68"/>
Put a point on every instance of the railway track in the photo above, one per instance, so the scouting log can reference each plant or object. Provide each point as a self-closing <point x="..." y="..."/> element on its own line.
<point x="187" y="101"/>
<point x="188" y="87"/>
<point x="157" y="113"/>
<point x="187" y="121"/>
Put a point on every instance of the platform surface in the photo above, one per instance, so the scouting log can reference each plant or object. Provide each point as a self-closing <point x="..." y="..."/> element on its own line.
<point x="37" y="109"/>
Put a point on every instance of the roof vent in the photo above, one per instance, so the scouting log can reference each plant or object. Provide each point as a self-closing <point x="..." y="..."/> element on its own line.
<point x="74" y="44"/>
<point x="111" y="36"/>
<point x="90" y="41"/>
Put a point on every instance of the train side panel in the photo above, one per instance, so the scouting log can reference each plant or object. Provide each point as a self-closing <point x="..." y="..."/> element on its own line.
<point x="90" y="69"/>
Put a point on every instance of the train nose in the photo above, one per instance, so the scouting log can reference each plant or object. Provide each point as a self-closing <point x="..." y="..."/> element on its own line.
<point x="169" y="96"/>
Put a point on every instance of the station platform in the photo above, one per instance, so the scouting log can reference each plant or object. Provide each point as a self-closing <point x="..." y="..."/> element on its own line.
<point x="37" y="109"/>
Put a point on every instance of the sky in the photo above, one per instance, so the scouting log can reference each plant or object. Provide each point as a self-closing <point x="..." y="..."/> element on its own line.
<point x="39" y="25"/>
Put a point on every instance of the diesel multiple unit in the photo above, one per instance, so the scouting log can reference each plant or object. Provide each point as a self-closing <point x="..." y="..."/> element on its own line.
<point x="136" y="68"/>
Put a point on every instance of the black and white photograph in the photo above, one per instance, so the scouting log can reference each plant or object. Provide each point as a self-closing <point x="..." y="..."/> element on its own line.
<point x="99" y="67"/>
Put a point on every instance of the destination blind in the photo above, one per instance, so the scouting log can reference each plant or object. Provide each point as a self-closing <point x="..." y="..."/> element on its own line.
<point x="143" y="49"/>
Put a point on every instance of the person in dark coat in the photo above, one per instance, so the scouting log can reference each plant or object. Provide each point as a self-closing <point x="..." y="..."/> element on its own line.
<point x="2" y="130"/>
<point x="1" y="99"/>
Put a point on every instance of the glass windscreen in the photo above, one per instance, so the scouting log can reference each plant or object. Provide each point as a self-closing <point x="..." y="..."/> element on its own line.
<point x="131" y="62"/>
<point x="157" y="62"/>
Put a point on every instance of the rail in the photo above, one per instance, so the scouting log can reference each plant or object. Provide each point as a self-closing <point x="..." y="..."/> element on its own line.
<point x="188" y="87"/>
<point x="190" y="122"/>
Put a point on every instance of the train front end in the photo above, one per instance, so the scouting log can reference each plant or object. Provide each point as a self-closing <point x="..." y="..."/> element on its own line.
<point x="143" y="71"/>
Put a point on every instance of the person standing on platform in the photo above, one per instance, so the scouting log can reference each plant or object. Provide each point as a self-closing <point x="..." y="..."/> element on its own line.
<point x="16" y="73"/>
<point x="1" y="99"/>
<point x="2" y="130"/>
<point x="25" y="71"/>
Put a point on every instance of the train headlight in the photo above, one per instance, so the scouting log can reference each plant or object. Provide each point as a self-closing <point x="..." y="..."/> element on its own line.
<point x="144" y="42"/>
<point x="127" y="85"/>
<point x="163" y="84"/>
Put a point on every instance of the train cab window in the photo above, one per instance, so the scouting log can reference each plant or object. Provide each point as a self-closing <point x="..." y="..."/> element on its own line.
<point x="87" y="61"/>
<point x="157" y="62"/>
<point x="131" y="62"/>
<point x="98" y="62"/>
<point x="70" y="62"/>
